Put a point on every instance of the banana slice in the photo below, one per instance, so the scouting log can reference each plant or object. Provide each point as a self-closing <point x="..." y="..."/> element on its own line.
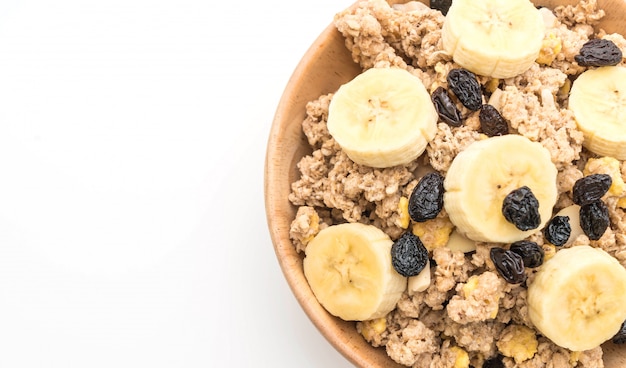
<point x="495" y="38"/>
<point x="349" y="269"/>
<point x="482" y="175"/>
<point x="598" y="101"/>
<point x="384" y="117"/>
<point x="577" y="298"/>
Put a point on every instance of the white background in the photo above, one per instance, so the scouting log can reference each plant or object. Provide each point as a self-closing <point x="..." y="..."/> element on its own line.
<point x="132" y="144"/>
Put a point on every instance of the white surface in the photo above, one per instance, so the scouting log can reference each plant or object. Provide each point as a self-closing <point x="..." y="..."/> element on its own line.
<point x="132" y="144"/>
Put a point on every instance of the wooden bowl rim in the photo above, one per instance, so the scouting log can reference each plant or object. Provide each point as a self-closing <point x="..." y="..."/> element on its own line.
<point x="333" y="330"/>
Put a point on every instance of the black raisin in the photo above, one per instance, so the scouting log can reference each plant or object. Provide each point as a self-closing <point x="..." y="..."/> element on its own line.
<point x="426" y="200"/>
<point x="446" y="109"/>
<point x="491" y="122"/>
<point x="594" y="219"/>
<point x="508" y="264"/>
<point x="442" y="5"/>
<point x="466" y="88"/>
<point x="590" y="188"/>
<point x="599" y="52"/>
<point x="408" y="255"/>
<point x="495" y="362"/>
<point x="558" y="230"/>
<point x="532" y="254"/>
<point x="521" y="208"/>
<point x="620" y="336"/>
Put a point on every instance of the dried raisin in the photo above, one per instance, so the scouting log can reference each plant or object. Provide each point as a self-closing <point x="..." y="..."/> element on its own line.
<point x="408" y="255"/>
<point x="491" y="122"/>
<point x="466" y="88"/>
<point x="590" y="188"/>
<point x="620" y="336"/>
<point x="521" y="208"/>
<point x="446" y="109"/>
<point x="508" y="264"/>
<point x="426" y="200"/>
<point x="532" y="254"/>
<point x="442" y="5"/>
<point x="594" y="219"/>
<point x="558" y="230"/>
<point x="599" y="52"/>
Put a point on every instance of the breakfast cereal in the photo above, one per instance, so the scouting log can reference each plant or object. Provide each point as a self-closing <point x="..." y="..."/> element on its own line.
<point x="468" y="311"/>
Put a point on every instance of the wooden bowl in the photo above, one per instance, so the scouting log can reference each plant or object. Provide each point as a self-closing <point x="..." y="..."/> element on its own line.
<point x="326" y="65"/>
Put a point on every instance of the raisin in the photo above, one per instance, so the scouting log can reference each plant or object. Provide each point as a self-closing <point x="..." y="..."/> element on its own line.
<point x="599" y="52"/>
<point x="466" y="88"/>
<point x="442" y="5"/>
<point x="495" y="362"/>
<point x="408" y="255"/>
<point x="532" y="254"/>
<point x="620" y="336"/>
<point x="426" y="200"/>
<point x="491" y="122"/>
<point x="508" y="264"/>
<point x="558" y="230"/>
<point x="590" y="188"/>
<point x="446" y="109"/>
<point x="594" y="219"/>
<point x="521" y="208"/>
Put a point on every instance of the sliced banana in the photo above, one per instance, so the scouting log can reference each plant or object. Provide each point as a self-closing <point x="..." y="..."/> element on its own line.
<point x="495" y="38"/>
<point x="382" y="118"/>
<point x="348" y="267"/>
<point x="598" y="101"/>
<point x="577" y="298"/>
<point x="482" y="175"/>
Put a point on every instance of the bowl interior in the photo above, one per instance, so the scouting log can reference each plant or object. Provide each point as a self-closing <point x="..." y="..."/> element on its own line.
<point x="325" y="66"/>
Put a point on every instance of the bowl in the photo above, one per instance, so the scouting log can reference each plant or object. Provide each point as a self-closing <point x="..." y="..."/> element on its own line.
<point x="325" y="66"/>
